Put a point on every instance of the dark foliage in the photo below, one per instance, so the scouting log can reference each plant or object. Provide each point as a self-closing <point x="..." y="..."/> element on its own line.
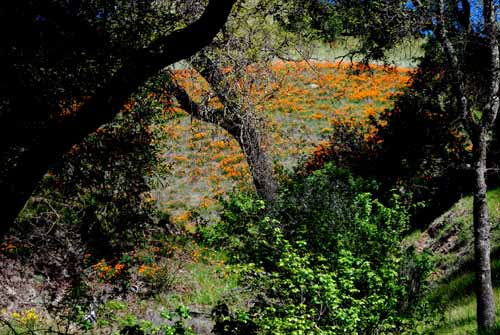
<point x="96" y="201"/>
<point x="69" y="69"/>
<point x="419" y="147"/>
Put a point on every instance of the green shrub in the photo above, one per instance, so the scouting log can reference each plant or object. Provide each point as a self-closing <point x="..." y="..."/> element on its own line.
<point x="325" y="259"/>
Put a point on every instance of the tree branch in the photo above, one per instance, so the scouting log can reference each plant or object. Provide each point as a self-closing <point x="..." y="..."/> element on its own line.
<point x="199" y="112"/>
<point x="145" y="63"/>
<point x="490" y="26"/>
<point x="24" y="165"/>
<point x="458" y="77"/>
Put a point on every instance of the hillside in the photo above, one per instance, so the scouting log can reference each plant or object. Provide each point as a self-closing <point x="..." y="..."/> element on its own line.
<point x="306" y="102"/>
<point x="283" y="167"/>
<point x="449" y="240"/>
<point x="306" y="99"/>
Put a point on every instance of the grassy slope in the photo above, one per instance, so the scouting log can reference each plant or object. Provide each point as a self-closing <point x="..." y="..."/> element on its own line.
<point x="450" y="240"/>
<point x="403" y="55"/>
<point x="306" y="100"/>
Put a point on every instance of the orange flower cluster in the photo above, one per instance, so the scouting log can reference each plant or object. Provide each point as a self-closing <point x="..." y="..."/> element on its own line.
<point x="148" y="270"/>
<point x="182" y="217"/>
<point x="320" y="155"/>
<point x="303" y="104"/>
<point x="7" y="247"/>
<point x="107" y="272"/>
<point x="195" y="255"/>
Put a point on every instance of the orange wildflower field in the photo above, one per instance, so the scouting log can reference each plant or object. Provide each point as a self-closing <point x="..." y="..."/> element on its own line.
<point x="306" y="102"/>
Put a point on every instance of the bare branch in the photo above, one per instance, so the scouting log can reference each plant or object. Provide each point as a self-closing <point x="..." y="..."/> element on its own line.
<point x="457" y="75"/>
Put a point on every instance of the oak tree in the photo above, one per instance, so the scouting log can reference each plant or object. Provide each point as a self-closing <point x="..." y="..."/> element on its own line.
<point x="69" y="67"/>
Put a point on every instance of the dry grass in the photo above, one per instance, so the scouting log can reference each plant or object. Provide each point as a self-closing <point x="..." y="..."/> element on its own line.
<point x="300" y="106"/>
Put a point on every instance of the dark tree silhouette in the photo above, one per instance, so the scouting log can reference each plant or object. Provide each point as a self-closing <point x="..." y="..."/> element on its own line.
<point x="67" y="69"/>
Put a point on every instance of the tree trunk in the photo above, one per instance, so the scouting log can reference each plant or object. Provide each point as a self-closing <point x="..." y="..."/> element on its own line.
<point x="242" y="123"/>
<point x="243" y="130"/>
<point x="482" y="226"/>
<point x="259" y="164"/>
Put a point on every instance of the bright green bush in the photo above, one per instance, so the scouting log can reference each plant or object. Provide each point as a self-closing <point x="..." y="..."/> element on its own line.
<point x="325" y="259"/>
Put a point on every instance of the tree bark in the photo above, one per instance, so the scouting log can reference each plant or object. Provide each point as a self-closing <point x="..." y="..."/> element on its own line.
<point x="482" y="227"/>
<point x="478" y="131"/>
<point x="258" y="161"/>
<point x="243" y="127"/>
<point x="243" y="130"/>
<point x="30" y="149"/>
